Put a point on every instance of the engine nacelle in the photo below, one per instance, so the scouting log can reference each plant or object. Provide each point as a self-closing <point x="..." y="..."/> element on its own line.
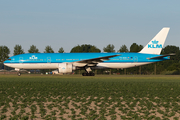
<point x="66" y="68"/>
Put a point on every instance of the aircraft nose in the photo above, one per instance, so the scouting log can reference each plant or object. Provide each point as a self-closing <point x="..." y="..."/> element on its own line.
<point x="7" y="61"/>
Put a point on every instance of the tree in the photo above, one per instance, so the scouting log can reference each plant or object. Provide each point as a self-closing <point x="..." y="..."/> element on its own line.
<point x="109" y="48"/>
<point x="48" y="49"/>
<point x="170" y="49"/>
<point x="136" y="48"/>
<point x="4" y="53"/>
<point x="76" y="49"/>
<point x="33" y="49"/>
<point x="94" y="49"/>
<point x="61" y="50"/>
<point x="85" y="48"/>
<point x="173" y="63"/>
<point x="123" y="49"/>
<point x="18" y="50"/>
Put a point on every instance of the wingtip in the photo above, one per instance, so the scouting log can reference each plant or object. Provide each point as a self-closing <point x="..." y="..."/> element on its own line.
<point x="171" y="54"/>
<point x="166" y="27"/>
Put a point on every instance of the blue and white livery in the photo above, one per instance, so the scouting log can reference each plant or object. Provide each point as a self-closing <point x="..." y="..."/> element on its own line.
<point x="68" y="62"/>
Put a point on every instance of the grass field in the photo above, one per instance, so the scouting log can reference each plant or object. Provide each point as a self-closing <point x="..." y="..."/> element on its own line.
<point x="98" y="97"/>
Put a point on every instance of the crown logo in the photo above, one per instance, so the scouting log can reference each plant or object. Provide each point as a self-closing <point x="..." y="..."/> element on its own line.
<point x="33" y="57"/>
<point x="155" y="42"/>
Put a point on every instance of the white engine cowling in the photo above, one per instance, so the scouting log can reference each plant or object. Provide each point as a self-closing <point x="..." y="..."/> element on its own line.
<point x="66" y="68"/>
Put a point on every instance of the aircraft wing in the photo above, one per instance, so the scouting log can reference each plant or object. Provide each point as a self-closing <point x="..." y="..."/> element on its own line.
<point x="96" y="60"/>
<point x="159" y="57"/>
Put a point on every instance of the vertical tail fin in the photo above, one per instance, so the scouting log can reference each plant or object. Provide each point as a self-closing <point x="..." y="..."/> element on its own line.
<point x="156" y="44"/>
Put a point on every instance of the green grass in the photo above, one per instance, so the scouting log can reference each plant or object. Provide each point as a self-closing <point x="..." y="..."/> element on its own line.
<point x="112" y="96"/>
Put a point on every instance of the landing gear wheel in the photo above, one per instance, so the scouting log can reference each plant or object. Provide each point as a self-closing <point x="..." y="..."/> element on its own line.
<point x="19" y="74"/>
<point x="92" y="74"/>
<point x="88" y="74"/>
<point x="84" y="74"/>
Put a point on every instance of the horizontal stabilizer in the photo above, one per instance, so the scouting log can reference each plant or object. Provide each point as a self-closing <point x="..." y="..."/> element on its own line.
<point x="159" y="57"/>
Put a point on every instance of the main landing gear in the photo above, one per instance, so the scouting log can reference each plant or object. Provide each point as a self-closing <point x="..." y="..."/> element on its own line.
<point x="88" y="74"/>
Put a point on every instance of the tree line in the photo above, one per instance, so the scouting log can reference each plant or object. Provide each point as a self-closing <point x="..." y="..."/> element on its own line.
<point x="165" y="67"/>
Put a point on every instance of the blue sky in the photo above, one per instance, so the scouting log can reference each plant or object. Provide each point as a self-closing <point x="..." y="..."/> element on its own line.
<point x="97" y="22"/>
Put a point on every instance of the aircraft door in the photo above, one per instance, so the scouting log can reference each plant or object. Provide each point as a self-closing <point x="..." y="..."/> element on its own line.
<point x="135" y="59"/>
<point x="20" y="59"/>
<point x="48" y="59"/>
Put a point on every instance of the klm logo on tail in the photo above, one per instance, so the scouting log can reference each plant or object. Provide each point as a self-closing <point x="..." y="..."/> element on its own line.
<point x="155" y="44"/>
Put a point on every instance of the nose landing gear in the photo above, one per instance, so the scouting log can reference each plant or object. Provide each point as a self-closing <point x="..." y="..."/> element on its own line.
<point x="18" y="73"/>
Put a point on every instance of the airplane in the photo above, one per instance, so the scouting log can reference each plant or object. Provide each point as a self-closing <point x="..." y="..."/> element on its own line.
<point x="68" y="62"/>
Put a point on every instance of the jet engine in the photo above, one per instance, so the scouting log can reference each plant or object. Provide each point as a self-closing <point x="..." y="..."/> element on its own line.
<point x="66" y="68"/>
